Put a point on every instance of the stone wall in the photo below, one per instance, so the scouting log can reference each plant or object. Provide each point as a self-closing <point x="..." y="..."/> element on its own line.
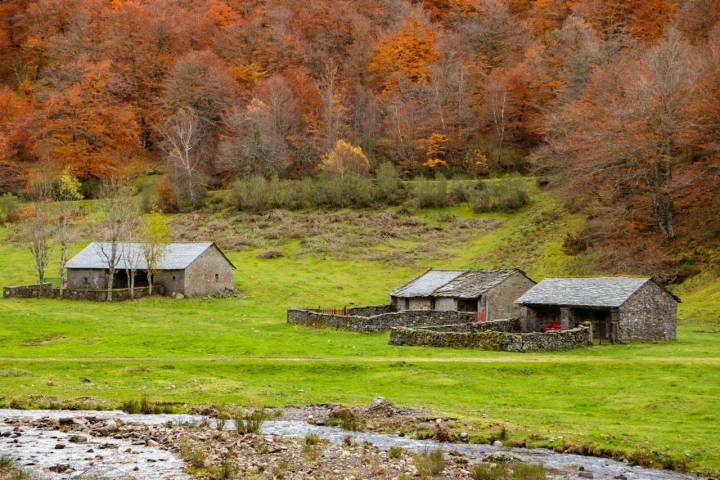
<point x="370" y="310"/>
<point x="505" y="325"/>
<point x="47" y="291"/>
<point x="377" y="323"/>
<point x="650" y="314"/>
<point x="28" y="291"/>
<point x="83" y="279"/>
<point x="493" y="339"/>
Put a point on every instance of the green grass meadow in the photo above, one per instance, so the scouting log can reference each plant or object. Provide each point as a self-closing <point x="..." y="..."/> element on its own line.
<point x="662" y="396"/>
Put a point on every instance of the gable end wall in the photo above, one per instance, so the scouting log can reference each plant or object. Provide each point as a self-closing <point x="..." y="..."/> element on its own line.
<point x="200" y="274"/>
<point x="649" y="314"/>
<point x="502" y="297"/>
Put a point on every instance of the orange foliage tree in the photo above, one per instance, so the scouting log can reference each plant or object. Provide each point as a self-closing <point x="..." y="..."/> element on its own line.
<point x="84" y="128"/>
<point x="406" y="55"/>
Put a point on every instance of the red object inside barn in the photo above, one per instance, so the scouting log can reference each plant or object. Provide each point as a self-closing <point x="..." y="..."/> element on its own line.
<point x="551" y="327"/>
<point x="481" y="315"/>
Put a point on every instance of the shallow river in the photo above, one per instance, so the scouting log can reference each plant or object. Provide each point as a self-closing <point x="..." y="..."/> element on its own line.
<point x="116" y="458"/>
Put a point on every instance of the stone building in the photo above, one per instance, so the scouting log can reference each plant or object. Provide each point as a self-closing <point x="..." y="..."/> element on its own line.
<point x="490" y="293"/>
<point x="191" y="269"/>
<point x="620" y="309"/>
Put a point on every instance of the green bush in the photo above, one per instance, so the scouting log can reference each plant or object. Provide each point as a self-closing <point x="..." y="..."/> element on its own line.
<point x="345" y="419"/>
<point x="461" y="191"/>
<point x="431" y="463"/>
<point x="395" y="452"/>
<point x="498" y="197"/>
<point x="313" y="439"/>
<point x="505" y="160"/>
<point x="431" y="193"/>
<point x="9" y="206"/>
<point x="388" y="185"/>
<point x="346" y="191"/>
<point x="251" y="423"/>
<point x="193" y="453"/>
<point x="144" y="405"/>
<point x="487" y="471"/>
<point x="528" y="471"/>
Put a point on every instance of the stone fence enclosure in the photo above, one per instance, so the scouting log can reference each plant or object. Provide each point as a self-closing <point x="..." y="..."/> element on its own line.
<point x="503" y="335"/>
<point x="46" y="290"/>
<point x="376" y="318"/>
<point x="441" y="328"/>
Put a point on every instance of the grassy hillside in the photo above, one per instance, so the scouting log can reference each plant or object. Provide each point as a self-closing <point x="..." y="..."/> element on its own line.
<point x="634" y="398"/>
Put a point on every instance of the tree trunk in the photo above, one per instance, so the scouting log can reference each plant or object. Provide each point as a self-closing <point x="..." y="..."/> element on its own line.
<point x="110" y="280"/>
<point x="150" y="281"/>
<point x="63" y="261"/>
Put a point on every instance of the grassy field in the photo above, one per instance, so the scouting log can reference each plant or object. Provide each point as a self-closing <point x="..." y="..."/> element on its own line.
<point x="639" y="397"/>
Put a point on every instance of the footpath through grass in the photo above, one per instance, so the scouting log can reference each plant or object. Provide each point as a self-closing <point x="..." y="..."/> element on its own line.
<point x="240" y="350"/>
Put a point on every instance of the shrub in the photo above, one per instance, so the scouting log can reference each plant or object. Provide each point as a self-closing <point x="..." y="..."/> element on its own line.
<point x="312" y="439"/>
<point x="192" y="453"/>
<point x="251" y="423"/>
<point x="430" y="463"/>
<point x="395" y="452"/>
<point x="166" y="199"/>
<point x="226" y="471"/>
<point x="575" y="243"/>
<point x="388" y="186"/>
<point x="486" y="471"/>
<point x="498" y="197"/>
<point x="346" y="419"/>
<point x="144" y="405"/>
<point x="9" y="207"/>
<point x="9" y="470"/>
<point x="131" y="406"/>
<point x="253" y="194"/>
<point x="347" y="191"/>
<point x="504" y="160"/>
<point x="528" y="471"/>
<point x="431" y="193"/>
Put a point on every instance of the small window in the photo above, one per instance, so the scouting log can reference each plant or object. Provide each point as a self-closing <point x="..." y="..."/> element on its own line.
<point x="217" y="277"/>
<point x="173" y="277"/>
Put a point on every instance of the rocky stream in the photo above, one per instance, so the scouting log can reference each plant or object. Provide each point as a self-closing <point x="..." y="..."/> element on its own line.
<point x="57" y="444"/>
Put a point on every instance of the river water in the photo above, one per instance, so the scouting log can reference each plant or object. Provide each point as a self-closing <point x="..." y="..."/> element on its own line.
<point x="112" y="458"/>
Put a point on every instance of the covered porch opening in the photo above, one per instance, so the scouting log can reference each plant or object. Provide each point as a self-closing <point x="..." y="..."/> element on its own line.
<point x="121" y="279"/>
<point x="601" y="320"/>
<point x="541" y="318"/>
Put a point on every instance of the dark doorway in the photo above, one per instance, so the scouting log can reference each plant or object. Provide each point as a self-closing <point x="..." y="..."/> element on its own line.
<point x="600" y="320"/>
<point x="121" y="279"/>
<point x="467" y="304"/>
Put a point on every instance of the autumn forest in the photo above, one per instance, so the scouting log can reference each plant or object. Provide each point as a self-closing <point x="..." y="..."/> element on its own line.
<point x="614" y="104"/>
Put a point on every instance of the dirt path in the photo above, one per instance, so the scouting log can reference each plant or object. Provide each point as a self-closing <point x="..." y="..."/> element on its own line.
<point x="494" y="359"/>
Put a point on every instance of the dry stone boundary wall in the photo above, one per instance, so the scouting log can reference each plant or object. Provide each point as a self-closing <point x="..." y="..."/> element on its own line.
<point x="46" y="290"/>
<point x="376" y="323"/>
<point x="489" y="338"/>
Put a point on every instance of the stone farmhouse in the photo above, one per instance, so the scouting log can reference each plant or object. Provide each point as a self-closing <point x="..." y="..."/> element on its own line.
<point x="505" y="310"/>
<point x="190" y="269"/>
<point x="620" y="309"/>
<point x="490" y="293"/>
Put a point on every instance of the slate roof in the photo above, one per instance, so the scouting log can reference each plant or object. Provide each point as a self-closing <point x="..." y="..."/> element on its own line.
<point x="583" y="292"/>
<point x="177" y="256"/>
<point x="452" y="283"/>
<point x="427" y="283"/>
<point x="473" y="283"/>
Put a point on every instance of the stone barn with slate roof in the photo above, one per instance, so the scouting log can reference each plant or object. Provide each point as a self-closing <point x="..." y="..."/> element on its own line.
<point x="491" y="293"/>
<point x="191" y="269"/>
<point x="621" y="309"/>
